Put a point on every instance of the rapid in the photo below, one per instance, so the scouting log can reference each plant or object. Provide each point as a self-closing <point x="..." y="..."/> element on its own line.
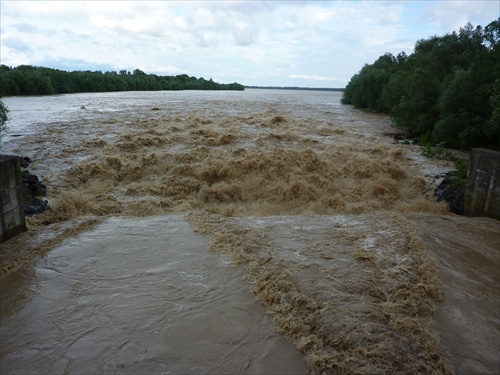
<point x="264" y="231"/>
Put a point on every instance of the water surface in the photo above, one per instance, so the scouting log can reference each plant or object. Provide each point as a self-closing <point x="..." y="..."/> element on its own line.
<point x="137" y="296"/>
<point x="334" y="228"/>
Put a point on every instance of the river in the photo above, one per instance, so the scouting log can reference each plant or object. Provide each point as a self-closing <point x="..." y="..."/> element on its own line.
<point x="257" y="232"/>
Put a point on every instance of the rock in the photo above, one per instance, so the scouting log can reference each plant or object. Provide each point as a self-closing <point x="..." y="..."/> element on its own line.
<point x="33" y="189"/>
<point x="403" y="138"/>
<point x="32" y="210"/>
<point x="40" y="203"/>
<point x="451" y="193"/>
<point x="25" y="161"/>
<point x="33" y="185"/>
<point x="441" y="175"/>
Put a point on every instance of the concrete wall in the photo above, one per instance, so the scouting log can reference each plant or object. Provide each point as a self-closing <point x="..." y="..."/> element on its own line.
<point x="482" y="193"/>
<point x="12" y="220"/>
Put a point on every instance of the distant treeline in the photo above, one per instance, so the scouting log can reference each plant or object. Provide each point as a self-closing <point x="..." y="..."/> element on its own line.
<point x="31" y="80"/>
<point x="447" y="90"/>
<point x="295" y="88"/>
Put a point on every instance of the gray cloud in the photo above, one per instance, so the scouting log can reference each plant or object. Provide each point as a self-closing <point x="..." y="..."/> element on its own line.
<point x="17" y="45"/>
<point x="74" y="64"/>
<point x="263" y="42"/>
<point x="25" y="28"/>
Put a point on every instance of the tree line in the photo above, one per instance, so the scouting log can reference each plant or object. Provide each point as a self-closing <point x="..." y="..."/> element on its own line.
<point x="447" y="90"/>
<point x="33" y="80"/>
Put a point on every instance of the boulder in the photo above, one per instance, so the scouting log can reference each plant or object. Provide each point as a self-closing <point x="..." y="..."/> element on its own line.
<point x="451" y="193"/>
<point x="33" y="189"/>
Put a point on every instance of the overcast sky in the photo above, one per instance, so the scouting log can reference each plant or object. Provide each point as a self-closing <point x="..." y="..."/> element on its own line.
<point x="265" y="43"/>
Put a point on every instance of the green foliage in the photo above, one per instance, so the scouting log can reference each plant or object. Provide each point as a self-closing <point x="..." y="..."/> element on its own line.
<point x="436" y="151"/>
<point x="493" y="124"/>
<point x="448" y="88"/>
<point x="416" y="109"/>
<point x="4" y="113"/>
<point x="459" y="176"/>
<point x="365" y="89"/>
<point x="4" y="118"/>
<point x="31" y="80"/>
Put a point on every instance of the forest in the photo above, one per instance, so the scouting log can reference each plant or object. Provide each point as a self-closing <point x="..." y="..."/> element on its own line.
<point x="447" y="91"/>
<point x="32" y="80"/>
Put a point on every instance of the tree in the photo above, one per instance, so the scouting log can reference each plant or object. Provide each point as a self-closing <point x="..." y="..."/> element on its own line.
<point x="492" y="34"/>
<point x="31" y="80"/>
<point x="4" y="118"/>
<point x="417" y="108"/>
<point x="365" y="89"/>
<point x="449" y="87"/>
<point x="493" y="124"/>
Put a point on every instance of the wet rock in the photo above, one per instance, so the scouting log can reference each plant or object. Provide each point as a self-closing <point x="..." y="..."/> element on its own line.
<point x="37" y="208"/>
<point x="441" y="175"/>
<point x="32" y="185"/>
<point x="451" y="193"/>
<point x="403" y="138"/>
<point x="33" y="189"/>
<point x="24" y="161"/>
<point x="396" y="136"/>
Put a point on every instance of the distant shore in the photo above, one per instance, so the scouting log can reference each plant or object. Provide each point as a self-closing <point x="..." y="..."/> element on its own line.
<point x="295" y="88"/>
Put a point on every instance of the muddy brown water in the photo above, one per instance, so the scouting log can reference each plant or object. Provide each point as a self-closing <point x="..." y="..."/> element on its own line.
<point x="137" y="296"/>
<point x="239" y="232"/>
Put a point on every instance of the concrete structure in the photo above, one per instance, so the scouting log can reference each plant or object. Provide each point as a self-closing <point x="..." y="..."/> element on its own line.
<point x="12" y="221"/>
<point x="482" y="193"/>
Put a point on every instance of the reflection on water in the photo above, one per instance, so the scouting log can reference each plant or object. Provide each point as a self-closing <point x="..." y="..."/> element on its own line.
<point x="137" y="296"/>
<point x="320" y="209"/>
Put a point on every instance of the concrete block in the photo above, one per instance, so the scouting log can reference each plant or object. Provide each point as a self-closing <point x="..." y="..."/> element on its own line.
<point x="482" y="193"/>
<point x="12" y="220"/>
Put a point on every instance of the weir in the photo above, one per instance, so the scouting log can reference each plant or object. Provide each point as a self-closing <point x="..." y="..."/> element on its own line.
<point x="12" y="219"/>
<point x="482" y="193"/>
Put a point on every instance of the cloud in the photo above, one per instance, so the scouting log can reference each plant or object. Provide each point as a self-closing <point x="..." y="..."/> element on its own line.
<point x="74" y="64"/>
<point x="312" y="77"/>
<point x="254" y="55"/>
<point x="451" y="15"/>
<point x="149" y="19"/>
<point x="24" y="27"/>
<point x="17" y="45"/>
<point x="244" y="34"/>
<point x="164" y="69"/>
<point x="254" y="42"/>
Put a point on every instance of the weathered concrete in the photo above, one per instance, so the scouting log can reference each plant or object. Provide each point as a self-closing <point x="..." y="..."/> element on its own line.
<point x="482" y="194"/>
<point x="12" y="221"/>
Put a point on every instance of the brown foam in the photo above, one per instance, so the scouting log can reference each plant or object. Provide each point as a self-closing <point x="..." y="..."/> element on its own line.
<point x="378" y="318"/>
<point x="361" y="298"/>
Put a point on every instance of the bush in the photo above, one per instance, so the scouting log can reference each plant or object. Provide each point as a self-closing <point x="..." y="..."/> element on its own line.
<point x="4" y="117"/>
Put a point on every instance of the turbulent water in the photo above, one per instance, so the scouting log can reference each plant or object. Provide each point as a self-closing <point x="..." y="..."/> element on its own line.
<point x="332" y="227"/>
